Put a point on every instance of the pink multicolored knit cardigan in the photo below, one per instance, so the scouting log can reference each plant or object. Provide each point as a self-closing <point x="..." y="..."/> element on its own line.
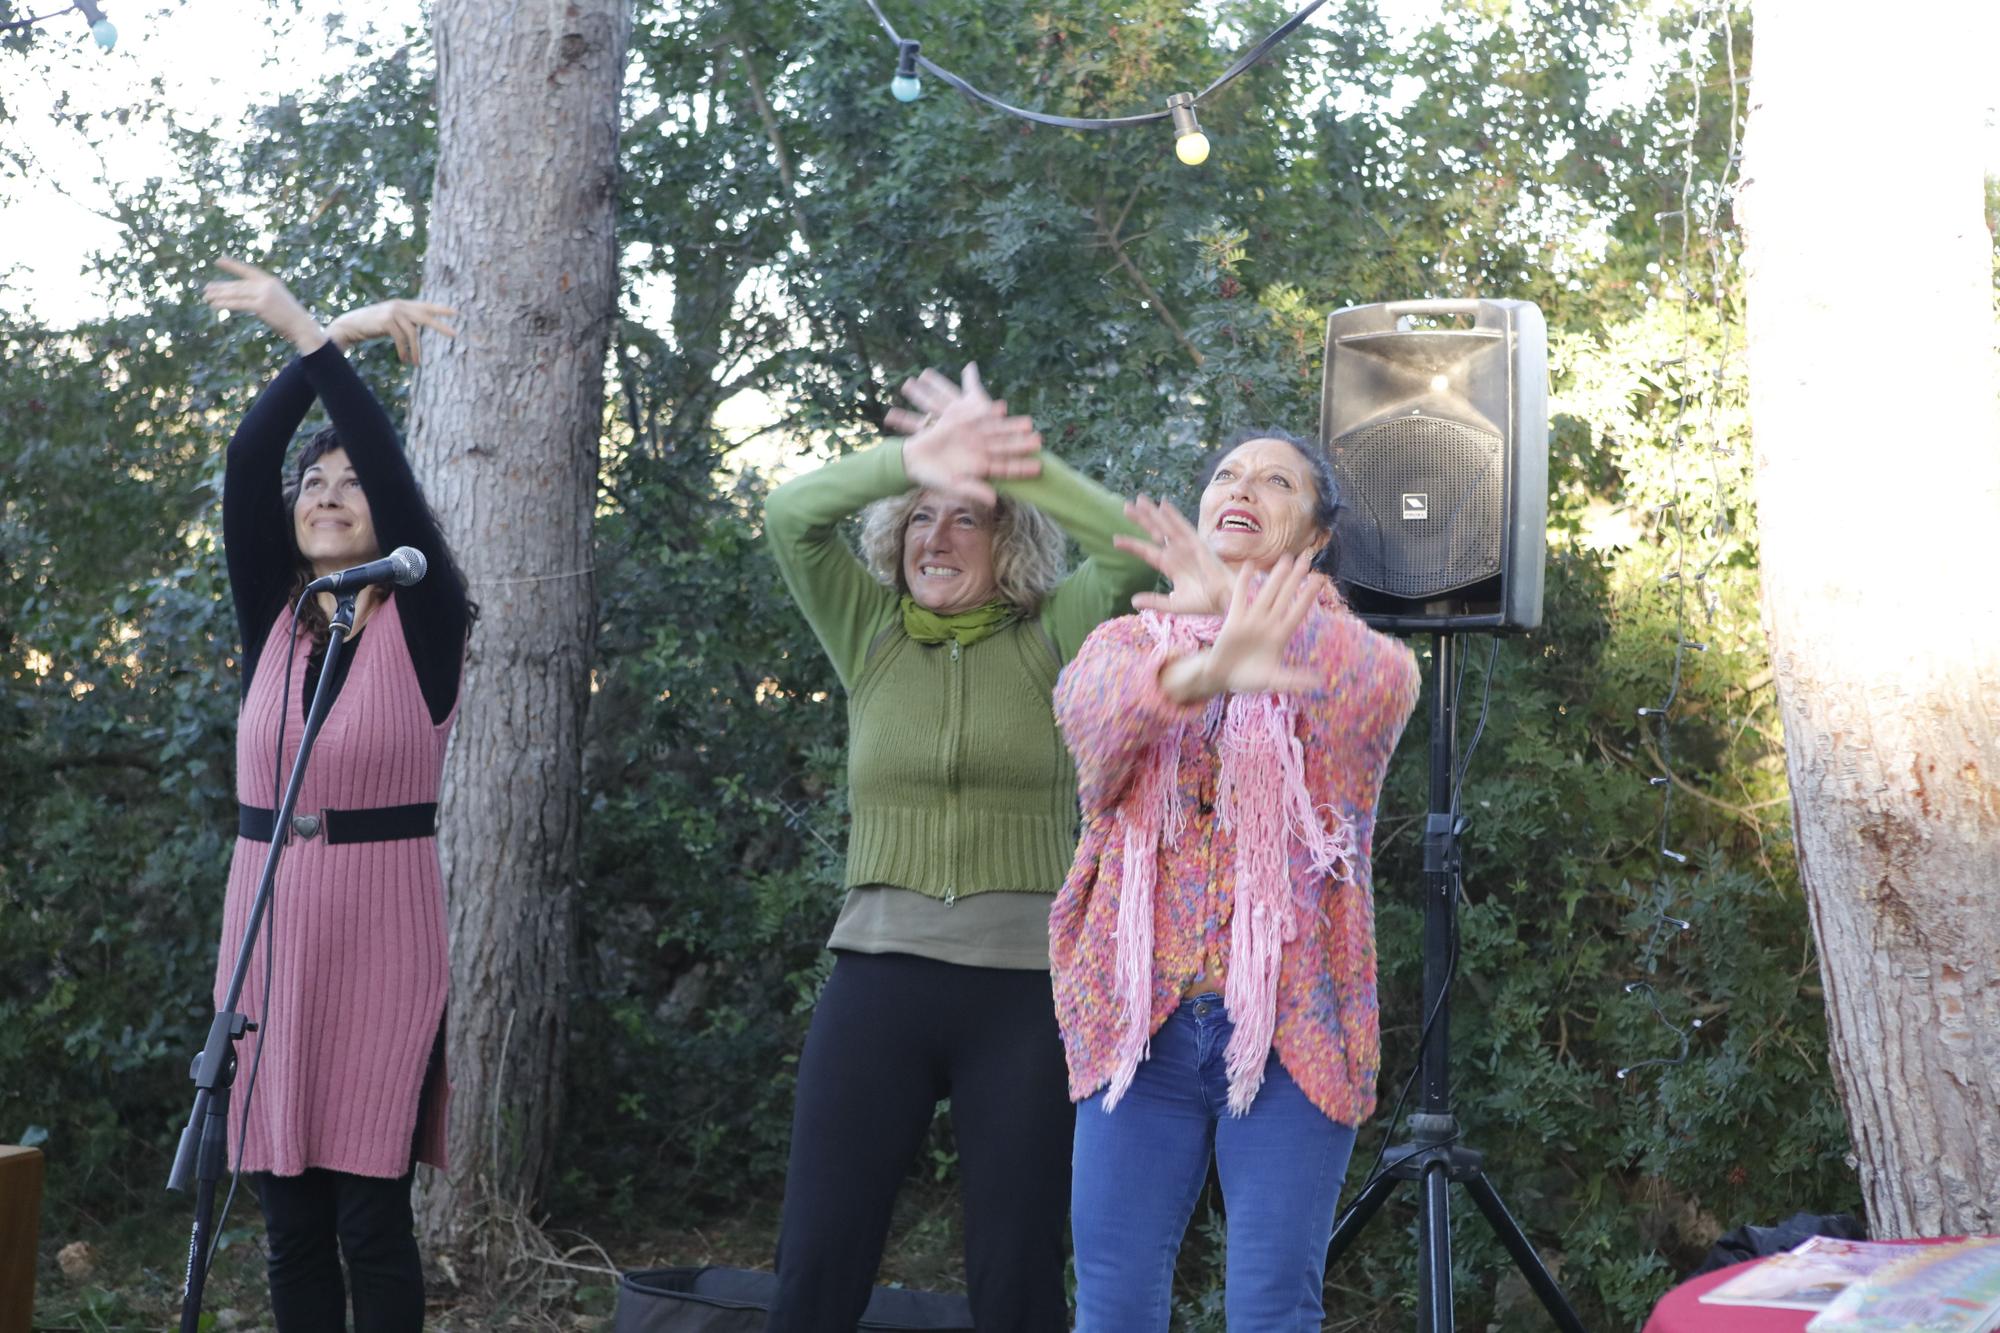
<point x="1213" y="802"/>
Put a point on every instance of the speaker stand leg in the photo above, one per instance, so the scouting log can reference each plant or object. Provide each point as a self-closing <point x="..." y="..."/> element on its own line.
<point x="1525" y="1259"/>
<point x="1434" y="1251"/>
<point x="1358" y="1214"/>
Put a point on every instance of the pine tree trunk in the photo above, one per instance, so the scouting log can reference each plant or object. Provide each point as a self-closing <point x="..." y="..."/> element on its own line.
<point x="505" y="425"/>
<point x="1872" y="395"/>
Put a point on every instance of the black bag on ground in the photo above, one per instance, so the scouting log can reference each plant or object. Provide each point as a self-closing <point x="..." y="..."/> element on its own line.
<point x="1747" y="1242"/>
<point x="731" y="1300"/>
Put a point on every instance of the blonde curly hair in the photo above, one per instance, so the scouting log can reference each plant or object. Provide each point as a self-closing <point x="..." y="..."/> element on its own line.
<point x="1030" y="554"/>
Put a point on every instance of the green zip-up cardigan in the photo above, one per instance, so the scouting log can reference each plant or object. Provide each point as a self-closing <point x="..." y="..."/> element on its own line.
<point x="958" y="781"/>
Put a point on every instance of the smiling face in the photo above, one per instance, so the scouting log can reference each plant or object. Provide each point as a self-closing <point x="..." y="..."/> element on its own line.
<point x="1259" y="505"/>
<point x="948" y="554"/>
<point x="330" y="519"/>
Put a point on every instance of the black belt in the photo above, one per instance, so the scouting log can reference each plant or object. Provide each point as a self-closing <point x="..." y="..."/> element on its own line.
<point x="381" y="823"/>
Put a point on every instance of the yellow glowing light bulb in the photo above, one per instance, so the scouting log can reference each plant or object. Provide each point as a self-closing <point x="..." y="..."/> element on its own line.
<point x="1190" y="144"/>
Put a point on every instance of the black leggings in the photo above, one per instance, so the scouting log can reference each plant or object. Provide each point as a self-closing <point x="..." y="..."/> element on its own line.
<point x="368" y="1219"/>
<point x="893" y="1035"/>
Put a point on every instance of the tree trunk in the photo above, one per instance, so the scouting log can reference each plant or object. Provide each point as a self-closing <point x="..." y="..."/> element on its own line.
<point x="505" y="424"/>
<point x="1872" y="397"/>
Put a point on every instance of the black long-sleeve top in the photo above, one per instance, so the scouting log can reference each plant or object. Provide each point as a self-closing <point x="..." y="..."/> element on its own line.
<point x="256" y="526"/>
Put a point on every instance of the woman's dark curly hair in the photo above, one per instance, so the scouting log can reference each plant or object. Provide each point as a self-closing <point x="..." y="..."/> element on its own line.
<point x="312" y="617"/>
<point x="1326" y="487"/>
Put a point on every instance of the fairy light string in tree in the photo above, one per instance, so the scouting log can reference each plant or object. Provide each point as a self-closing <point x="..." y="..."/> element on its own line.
<point x="1702" y="205"/>
<point x="1191" y="145"/>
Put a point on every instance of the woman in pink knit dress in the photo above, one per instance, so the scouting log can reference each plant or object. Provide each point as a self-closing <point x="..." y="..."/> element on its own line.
<point x="1213" y="946"/>
<point x="343" y="1089"/>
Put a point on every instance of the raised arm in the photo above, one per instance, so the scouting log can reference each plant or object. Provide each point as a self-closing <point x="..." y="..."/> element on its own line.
<point x="1351" y="727"/>
<point x="1105" y="583"/>
<point x="962" y="446"/>
<point x="1284" y="634"/>
<point x="256" y="538"/>
<point x="436" y="611"/>
<point x="841" y="600"/>
<point x="1110" y="708"/>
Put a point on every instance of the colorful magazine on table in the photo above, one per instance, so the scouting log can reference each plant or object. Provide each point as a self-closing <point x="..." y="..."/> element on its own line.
<point x="1949" y="1288"/>
<point x="1808" y="1276"/>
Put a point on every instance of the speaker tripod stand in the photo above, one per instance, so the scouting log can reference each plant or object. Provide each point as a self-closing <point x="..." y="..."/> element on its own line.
<point x="1433" y="1157"/>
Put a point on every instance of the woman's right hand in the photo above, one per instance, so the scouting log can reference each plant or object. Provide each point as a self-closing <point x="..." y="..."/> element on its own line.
<point x="1201" y="582"/>
<point x="252" y="291"/>
<point x="1248" y="655"/>
<point x="401" y="319"/>
<point x="960" y="439"/>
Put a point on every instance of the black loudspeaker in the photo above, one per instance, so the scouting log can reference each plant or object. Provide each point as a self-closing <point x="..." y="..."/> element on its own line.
<point x="1439" y="437"/>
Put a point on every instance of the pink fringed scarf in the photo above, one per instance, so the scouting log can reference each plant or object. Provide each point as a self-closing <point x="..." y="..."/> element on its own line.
<point x="1262" y="798"/>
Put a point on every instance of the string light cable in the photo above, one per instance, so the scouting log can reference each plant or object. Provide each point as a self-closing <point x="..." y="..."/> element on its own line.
<point x="1190" y="144"/>
<point x="1709" y="216"/>
<point x="1686" y="1034"/>
<point x="101" y="29"/>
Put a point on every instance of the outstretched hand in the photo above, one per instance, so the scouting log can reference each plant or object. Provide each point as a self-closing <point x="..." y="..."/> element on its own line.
<point x="960" y="440"/>
<point x="401" y="319"/>
<point x="252" y="291"/>
<point x="1248" y="655"/>
<point x="1201" y="582"/>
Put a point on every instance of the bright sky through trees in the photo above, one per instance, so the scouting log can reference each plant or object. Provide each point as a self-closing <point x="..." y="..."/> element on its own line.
<point x="203" y="62"/>
<point x="200" y="61"/>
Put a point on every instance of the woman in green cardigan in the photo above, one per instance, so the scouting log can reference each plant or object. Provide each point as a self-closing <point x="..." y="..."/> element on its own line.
<point x="948" y="634"/>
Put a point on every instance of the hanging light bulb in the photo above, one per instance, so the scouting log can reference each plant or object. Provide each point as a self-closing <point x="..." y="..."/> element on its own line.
<point x="101" y="30"/>
<point x="904" y="87"/>
<point x="1190" y="144"/>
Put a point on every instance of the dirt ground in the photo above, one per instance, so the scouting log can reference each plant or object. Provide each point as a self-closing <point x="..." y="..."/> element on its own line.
<point x="104" y="1273"/>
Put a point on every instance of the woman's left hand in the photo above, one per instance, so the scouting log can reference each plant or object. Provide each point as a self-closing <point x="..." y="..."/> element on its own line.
<point x="1201" y="582"/>
<point x="964" y="440"/>
<point x="1248" y="655"/>
<point x="403" y="320"/>
<point x="255" y="292"/>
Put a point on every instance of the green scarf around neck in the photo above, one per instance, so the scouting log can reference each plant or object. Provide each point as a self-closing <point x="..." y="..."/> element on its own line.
<point x="966" y="627"/>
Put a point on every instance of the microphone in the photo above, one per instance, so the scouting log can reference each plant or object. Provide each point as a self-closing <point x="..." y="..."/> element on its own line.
<point x="403" y="566"/>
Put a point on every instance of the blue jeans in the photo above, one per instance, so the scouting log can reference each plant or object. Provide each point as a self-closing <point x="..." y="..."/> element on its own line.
<point x="1139" y="1168"/>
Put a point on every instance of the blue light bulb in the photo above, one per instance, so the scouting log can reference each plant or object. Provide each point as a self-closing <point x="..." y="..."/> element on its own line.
<point x="905" y="86"/>
<point x="105" y="34"/>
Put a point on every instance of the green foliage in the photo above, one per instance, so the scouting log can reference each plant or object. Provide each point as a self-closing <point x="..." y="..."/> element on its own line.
<point x="797" y="242"/>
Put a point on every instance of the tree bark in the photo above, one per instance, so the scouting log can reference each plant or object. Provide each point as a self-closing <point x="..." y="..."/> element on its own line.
<point x="1872" y="396"/>
<point x="505" y="424"/>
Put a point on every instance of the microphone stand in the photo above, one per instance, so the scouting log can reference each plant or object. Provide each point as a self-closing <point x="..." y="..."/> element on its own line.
<point x="203" y="1152"/>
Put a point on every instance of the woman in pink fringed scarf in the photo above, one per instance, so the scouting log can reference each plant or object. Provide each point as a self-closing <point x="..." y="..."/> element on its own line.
<point x="1213" y="947"/>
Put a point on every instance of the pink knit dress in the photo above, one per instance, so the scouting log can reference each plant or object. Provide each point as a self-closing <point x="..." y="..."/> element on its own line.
<point x="360" y="966"/>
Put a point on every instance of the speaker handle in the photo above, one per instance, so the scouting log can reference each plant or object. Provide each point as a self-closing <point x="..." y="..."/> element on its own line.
<point x="1457" y="306"/>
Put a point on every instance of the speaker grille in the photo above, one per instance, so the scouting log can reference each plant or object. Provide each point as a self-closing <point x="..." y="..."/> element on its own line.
<point x="1423" y="503"/>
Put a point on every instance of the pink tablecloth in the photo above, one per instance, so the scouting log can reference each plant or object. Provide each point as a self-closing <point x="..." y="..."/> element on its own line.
<point x="1681" y="1310"/>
